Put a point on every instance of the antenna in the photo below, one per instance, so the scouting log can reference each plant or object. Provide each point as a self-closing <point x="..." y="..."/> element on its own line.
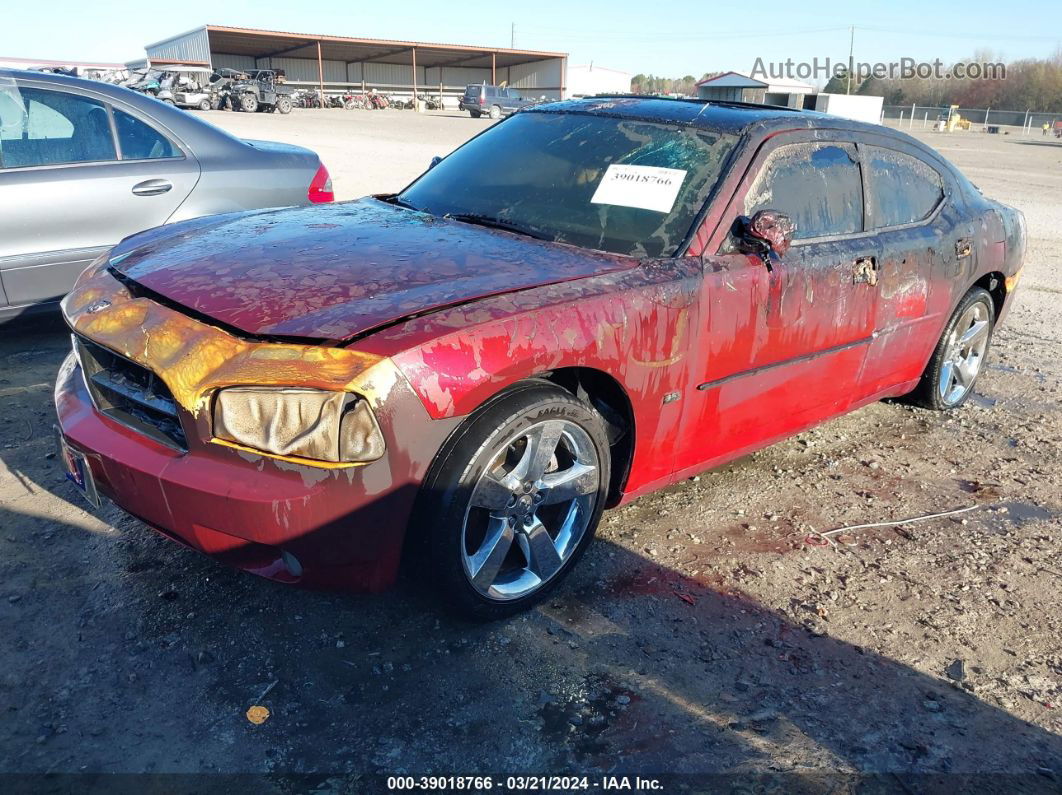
<point x="851" y="62"/>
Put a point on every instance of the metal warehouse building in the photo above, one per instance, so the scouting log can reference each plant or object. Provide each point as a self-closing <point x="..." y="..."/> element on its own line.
<point x="337" y="62"/>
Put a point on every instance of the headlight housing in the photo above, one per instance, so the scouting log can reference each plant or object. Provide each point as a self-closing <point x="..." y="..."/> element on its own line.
<point x="337" y="427"/>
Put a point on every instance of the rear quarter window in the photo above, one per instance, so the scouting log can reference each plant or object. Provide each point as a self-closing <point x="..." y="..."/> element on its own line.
<point x="901" y="189"/>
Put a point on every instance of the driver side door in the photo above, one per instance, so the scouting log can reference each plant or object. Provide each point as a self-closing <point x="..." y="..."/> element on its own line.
<point x="784" y="341"/>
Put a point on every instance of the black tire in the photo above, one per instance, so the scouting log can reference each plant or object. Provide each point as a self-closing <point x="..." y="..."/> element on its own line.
<point x="283" y="105"/>
<point x="475" y="114"/>
<point x="248" y="103"/>
<point x="204" y="104"/>
<point x="929" y="394"/>
<point x="447" y="491"/>
<point x="495" y="112"/>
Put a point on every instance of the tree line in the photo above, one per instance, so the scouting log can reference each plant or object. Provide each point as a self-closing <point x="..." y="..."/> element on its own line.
<point x="1030" y="84"/>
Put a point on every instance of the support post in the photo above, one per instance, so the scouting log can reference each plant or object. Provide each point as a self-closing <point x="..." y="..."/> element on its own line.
<point x="414" y="78"/>
<point x="320" y="71"/>
<point x="494" y="68"/>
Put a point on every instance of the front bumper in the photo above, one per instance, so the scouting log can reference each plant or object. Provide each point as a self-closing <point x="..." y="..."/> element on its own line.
<point x="339" y="528"/>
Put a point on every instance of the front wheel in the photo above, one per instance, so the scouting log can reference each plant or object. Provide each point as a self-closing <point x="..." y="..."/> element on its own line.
<point x="495" y="112"/>
<point x="248" y="103"/>
<point x="513" y="501"/>
<point x="204" y="104"/>
<point x="959" y="357"/>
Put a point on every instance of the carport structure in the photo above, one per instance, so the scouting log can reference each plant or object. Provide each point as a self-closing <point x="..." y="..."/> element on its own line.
<point x="340" y="62"/>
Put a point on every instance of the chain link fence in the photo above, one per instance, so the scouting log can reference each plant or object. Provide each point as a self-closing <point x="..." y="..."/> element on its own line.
<point x="1012" y="122"/>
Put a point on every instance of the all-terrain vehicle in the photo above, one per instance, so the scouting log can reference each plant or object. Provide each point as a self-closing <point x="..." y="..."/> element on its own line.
<point x="261" y="90"/>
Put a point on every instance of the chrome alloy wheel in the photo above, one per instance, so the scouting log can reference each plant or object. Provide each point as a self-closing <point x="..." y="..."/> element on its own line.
<point x="530" y="509"/>
<point x="965" y="353"/>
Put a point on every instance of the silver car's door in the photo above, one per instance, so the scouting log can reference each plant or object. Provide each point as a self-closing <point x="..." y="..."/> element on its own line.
<point x="76" y="176"/>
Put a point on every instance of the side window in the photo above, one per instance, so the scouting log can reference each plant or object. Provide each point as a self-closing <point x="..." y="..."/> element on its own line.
<point x="818" y="185"/>
<point x="42" y="128"/>
<point x="140" y="141"/>
<point x="902" y="189"/>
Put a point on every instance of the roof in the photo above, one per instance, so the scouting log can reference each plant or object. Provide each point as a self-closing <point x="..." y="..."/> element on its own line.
<point x="731" y="80"/>
<point x="26" y="63"/>
<point x="731" y="117"/>
<point x="716" y="115"/>
<point x="266" y="43"/>
<point x="735" y="118"/>
<point x="739" y="80"/>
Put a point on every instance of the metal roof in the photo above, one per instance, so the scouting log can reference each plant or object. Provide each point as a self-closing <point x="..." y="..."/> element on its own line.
<point x="267" y="43"/>
<point x="731" y="80"/>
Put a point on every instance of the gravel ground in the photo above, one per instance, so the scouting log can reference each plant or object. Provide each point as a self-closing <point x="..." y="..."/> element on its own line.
<point x="704" y="631"/>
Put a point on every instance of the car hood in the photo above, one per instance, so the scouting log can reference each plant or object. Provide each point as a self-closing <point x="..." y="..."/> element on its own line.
<point x="340" y="270"/>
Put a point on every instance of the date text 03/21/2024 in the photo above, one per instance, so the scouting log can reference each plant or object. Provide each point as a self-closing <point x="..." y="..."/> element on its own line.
<point x="523" y="783"/>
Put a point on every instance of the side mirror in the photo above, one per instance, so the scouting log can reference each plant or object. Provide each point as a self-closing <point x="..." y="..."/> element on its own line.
<point x="434" y="162"/>
<point x="767" y="232"/>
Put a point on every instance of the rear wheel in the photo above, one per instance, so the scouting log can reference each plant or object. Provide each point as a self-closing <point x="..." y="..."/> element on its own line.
<point x="959" y="357"/>
<point x="204" y="104"/>
<point x="475" y="114"/>
<point x="495" y="112"/>
<point x="283" y="104"/>
<point x="514" y="500"/>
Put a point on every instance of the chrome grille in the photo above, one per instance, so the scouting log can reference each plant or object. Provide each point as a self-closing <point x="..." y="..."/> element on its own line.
<point x="130" y="394"/>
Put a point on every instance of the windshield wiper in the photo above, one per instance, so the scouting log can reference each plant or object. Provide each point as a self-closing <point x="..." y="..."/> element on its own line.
<point x="399" y="202"/>
<point x="496" y="223"/>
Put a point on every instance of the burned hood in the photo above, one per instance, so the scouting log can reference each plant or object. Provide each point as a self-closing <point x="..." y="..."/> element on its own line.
<point x="340" y="270"/>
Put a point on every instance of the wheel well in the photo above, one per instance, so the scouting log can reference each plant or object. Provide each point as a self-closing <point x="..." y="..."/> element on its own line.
<point x="609" y="398"/>
<point x="996" y="286"/>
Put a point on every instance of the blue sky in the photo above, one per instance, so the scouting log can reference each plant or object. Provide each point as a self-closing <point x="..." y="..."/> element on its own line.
<point x="669" y="39"/>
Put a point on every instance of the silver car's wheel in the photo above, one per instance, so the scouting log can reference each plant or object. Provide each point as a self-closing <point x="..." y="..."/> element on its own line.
<point x="965" y="353"/>
<point x="530" y="509"/>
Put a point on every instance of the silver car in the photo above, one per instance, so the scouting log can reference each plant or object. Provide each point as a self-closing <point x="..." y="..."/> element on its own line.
<point x="84" y="164"/>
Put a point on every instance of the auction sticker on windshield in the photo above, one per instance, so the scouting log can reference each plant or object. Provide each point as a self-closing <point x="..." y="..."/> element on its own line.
<point x="647" y="187"/>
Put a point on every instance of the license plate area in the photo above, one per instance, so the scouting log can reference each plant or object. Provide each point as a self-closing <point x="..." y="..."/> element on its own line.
<point x="77" y="470"/>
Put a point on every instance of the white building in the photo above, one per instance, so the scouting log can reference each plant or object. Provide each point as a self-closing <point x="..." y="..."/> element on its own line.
<point x="851" y="106"/>
<point x="585" y="80"/>
<point x="737" y="87"/>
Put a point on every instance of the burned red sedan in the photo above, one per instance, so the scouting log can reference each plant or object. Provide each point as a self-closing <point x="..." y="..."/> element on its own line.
<point x="589" y="301"/>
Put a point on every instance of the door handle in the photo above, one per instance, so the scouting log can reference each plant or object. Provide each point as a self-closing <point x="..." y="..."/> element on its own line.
<point x="865" y="271"/>
<point x="152" y="187"/>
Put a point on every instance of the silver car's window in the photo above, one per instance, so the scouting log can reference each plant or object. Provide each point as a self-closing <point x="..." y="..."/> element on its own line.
<point x="140" y="141"/>
<point x="43" y="128"/>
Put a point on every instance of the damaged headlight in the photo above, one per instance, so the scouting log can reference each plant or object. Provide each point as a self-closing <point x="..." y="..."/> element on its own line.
<point x="337" y="427"/>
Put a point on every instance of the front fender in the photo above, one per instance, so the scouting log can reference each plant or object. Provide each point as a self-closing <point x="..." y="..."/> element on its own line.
<point x="636" y="326"/>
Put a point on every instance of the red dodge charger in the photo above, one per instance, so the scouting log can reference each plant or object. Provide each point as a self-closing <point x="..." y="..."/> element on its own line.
<point x="587" y="302"/>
